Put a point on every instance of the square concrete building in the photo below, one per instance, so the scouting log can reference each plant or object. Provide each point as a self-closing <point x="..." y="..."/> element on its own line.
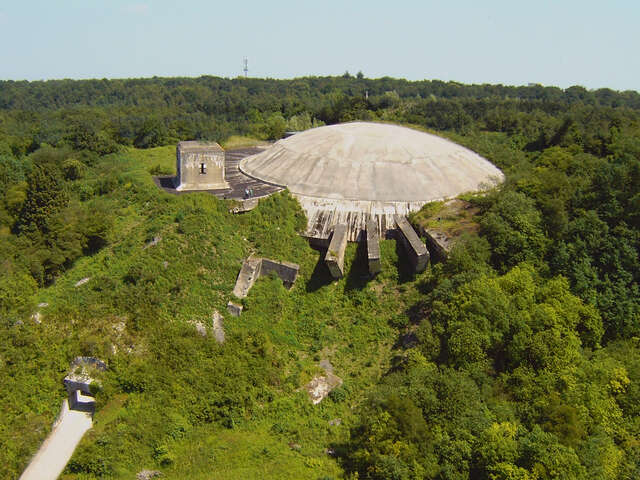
<point x="199" y="166"/>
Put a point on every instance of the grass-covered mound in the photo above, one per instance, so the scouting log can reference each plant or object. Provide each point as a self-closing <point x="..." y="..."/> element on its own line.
<point x="171" y="398"/>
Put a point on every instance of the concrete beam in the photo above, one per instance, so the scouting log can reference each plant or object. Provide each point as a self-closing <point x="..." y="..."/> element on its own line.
<point x="334" y="258"/>
<point x="416" y="249"/>
<point x="373" y="247"/>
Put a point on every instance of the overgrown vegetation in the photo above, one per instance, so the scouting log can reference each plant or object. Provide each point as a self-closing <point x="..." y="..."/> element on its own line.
<point x="518" y="357"/>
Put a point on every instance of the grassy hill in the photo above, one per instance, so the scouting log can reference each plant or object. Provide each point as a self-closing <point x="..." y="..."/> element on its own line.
<point x="178" y="401"/>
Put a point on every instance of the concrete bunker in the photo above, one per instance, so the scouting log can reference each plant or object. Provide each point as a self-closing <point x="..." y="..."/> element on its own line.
<point x="83" y="373"/>
<point x="256" y="267"/>
<point x="200" y="166"/>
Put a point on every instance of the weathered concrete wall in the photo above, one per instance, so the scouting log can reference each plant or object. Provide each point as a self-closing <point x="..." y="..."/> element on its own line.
<point x="373" y="248"/>
<point x="416" y="250"/>
<point x="80" y="374"/>
<point x="200" y="166"/>
<point x="334" y="259"/>
<point x="254" y="268"/>
<point x="249" y="273"/>
<point x="438" y="244"/>
<point x="287" y="271"/>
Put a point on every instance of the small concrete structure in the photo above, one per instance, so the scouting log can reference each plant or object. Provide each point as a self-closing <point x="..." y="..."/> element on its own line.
<point x="334" y="259"/>
<point x="256" y="267"/>
<point x="416" y="249"/>
<point x="200" y="166"/>
<point x="249" y="273"/>
<point x="82" y="375"/>
<point x="373" y="248"/>
<point x="287" y="271"/>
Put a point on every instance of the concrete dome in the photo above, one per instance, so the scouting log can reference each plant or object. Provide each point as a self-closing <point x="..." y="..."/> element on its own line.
<point x="372" y="162"/>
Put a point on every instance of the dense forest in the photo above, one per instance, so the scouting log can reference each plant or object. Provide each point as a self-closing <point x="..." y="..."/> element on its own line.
<point x="516" y="358"/>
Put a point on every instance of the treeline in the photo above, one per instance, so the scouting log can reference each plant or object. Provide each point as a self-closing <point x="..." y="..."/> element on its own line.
<point x="101" y="115"/>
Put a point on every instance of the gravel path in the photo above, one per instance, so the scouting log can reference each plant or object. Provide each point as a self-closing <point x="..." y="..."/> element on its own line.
<point x="57" y="449"/>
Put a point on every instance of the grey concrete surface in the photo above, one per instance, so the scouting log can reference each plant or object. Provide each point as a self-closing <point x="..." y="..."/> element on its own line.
<point x="371" y="161"/>
<point x="350" y="173"/>
<point x="416" y="249"/>
<point x="373" y="248"/>
<point x="334" y="259"/>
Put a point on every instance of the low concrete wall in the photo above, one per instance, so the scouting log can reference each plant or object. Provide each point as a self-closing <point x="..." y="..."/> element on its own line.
<point x="373" y="248"/>
<point x="249" y="273"/>
<point x="254" y="268"/>
<point x="287" y="271"/>
<point x="437" y="243"/>
<point x="416" y="250"/>
<point x="334" y="259"/>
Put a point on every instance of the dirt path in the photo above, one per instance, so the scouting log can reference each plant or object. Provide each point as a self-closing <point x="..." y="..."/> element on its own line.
<point x="57" y="449"/>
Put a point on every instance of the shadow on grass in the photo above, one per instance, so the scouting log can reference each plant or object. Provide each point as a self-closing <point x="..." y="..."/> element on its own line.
<point x="405" y="269"/>
<point x="320" y="276"/>
<point x="358" y="274"/>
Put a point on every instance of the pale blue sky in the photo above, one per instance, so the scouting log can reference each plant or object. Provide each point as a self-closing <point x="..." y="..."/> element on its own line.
<point x="563" y="43"/>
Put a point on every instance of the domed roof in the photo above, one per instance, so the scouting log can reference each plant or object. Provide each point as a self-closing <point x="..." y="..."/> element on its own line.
<point x="372" y="162"/>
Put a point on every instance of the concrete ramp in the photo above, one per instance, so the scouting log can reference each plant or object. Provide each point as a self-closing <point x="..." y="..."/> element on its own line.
<point x="58" y="448"/>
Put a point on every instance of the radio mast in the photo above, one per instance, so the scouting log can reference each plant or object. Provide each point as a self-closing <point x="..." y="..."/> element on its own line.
<point x="246" y="67"/>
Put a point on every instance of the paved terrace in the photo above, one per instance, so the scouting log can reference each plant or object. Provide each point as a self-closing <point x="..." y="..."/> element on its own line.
<point x="238" y="181"/>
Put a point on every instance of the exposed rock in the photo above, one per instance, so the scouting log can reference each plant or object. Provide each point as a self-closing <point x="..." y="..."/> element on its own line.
<point x="148" y="474"/>
<point x="153" y="242"/>
<point x="82" y="281"/>
<point x="234" y="309"/>
<point x="200" y="328"/>
<point x="43" y="305"/>
<point x="321" y="385"/>
<point x="37" y="317"/>
<point x="295" y="446"/>
<point x="165" y="264"/>
<point x="218" y="326"/>
<point x="335" y="422"/>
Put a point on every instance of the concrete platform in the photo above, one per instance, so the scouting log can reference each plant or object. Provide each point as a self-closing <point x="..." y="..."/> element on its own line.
<point x="238" y="181"/>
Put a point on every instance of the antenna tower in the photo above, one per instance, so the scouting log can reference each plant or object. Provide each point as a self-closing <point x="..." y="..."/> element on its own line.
<point x="246" y="67"/>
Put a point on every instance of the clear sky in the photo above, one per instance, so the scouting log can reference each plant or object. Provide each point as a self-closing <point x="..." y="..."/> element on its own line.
<point x="564" y="42"/>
